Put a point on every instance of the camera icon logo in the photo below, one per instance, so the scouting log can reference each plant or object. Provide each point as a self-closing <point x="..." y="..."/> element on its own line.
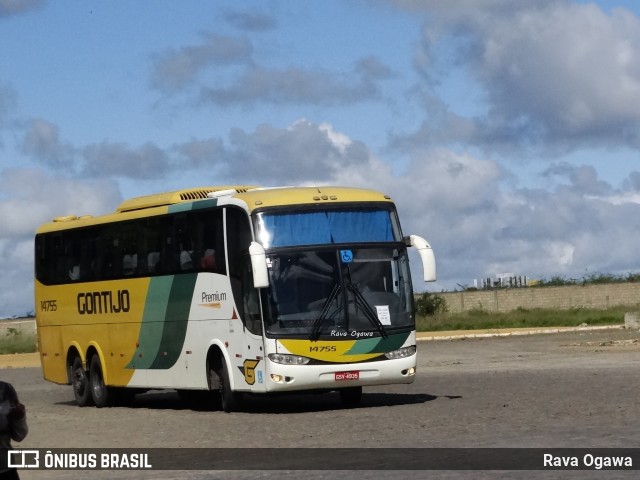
<point x="23" y="459"/>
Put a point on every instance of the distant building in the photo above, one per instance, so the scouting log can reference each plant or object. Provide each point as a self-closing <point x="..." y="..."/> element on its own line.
<point x="501" y="280"/>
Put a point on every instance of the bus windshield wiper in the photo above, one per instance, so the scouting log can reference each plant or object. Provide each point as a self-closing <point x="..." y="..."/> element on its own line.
<point x="368" y="311"/>
<point x="318" y="324"/>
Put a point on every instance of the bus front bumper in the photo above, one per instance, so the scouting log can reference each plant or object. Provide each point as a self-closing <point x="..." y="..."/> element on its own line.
<point x="289" y="378"/>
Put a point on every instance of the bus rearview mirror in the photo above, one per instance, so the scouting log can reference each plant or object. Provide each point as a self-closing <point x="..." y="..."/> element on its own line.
<point x="426" y="255"/>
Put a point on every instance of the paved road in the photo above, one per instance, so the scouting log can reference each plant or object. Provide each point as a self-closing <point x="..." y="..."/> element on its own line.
<point x="562" y="390"/>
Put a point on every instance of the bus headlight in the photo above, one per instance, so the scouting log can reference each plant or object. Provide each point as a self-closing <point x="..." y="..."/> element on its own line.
<point x="401" y="353"/>
<point x="288" y="359"/>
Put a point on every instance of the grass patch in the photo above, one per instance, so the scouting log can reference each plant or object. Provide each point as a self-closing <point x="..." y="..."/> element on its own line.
<point x="15" y="341"/>
<point x="478" y="319"/>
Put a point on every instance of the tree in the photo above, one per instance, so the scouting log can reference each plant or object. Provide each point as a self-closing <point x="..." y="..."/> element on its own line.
<point x="430" y="304"/>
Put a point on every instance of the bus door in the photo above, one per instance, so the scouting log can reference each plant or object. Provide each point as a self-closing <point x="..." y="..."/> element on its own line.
<point x="253" y="365"/>
<point x="248" y="364"/>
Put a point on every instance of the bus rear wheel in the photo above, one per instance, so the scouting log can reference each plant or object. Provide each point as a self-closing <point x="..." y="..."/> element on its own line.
<point x="80" y="383"/>
<point x="99" y="391"/>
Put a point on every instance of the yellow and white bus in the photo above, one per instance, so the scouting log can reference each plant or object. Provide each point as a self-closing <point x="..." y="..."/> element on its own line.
<point x="230" y="290"/>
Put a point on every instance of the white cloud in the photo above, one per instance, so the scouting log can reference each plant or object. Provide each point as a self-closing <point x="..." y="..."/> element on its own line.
<point x="295" y="85"/>
<point x="16" y="7"/>
<point x="556" y="75"/>
<point x="42" y="142"/>
<point x="237" y="79"/>
<point x="560" y="253"/>
<point x="250" y="21"/>
<point x="16" y="283"/>
<point x="121" y="160"/>
<point x="621" y="198"/>
<point x="177" y="68"/>
<point x="199" y="153"/>
<point x="339" y="140"/>
<point x="29" y="198"/>
<point x="302" y="152"/>
<point x="570" y="69"/>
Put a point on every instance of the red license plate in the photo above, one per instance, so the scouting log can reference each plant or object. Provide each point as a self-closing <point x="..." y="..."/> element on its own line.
<point x="354" y="375"/>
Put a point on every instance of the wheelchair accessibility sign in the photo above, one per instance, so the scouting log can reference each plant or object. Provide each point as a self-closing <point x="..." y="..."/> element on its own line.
<point x="346" y="256"/>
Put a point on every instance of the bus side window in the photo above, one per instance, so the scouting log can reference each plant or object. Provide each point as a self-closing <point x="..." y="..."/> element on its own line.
<point x="186" y="262"/>
<point x="152" y="261"/>
<point x="40" y="263"/>
<point x="129" y="264"/>
<point x="72" y="247"/>
<point x="91" y="262"/>
<point x="112" y="259"/>
<point x="46" y="261"/>
<point x="56" y="252"/>
<point x="209" y="241"/>
<point x="151" y="235"/>
<point x="208" y="260"/>
<point x="182" y="248"/>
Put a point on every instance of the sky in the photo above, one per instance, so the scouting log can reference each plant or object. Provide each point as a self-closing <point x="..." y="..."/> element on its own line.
<point x="507" y="132"/>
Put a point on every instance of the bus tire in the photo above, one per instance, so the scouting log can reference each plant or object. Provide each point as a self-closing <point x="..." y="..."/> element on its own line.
<point x="99" y="391"/>
<point x="80" y="383"/>
<point x="350" y="396"/>
<point x="229" y="400"/>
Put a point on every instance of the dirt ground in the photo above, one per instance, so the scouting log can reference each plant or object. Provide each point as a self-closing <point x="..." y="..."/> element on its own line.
<point x="20" y="360"/>
<point x="564" y="390"/>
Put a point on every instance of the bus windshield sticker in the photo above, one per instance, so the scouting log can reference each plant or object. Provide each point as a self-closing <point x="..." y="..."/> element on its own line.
<point x="346" y="256"/>
<point x="383" y="314"/>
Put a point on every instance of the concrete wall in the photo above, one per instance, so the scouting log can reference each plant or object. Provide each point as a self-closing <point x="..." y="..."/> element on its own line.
<point x="573" y="296"/>
<point x="24" y="325"/>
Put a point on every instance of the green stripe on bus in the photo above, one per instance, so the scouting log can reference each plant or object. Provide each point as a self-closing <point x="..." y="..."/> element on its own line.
<point x="188" y="206"/>
<point x="153" y="321"/>
<point x="204" y="204"/>
<point x="378" y="345"/>
<point x="176" y="321"/>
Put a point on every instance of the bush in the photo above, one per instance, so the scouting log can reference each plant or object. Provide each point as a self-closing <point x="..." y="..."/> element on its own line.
<point x="430" y="304"/>
<point x="15" y="341"/>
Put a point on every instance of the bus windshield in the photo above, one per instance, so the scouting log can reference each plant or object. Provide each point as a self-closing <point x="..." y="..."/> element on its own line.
<point x="334" y="293"/>
<point x="318" y="227"/>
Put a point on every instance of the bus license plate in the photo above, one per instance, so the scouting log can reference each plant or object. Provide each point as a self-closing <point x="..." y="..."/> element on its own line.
<point x="353" y="375"/>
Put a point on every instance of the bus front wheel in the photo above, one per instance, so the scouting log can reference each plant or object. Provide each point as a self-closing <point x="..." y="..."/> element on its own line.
<point x="229" y="400"/>
<point x="80" y="383"/>
<point x="99" y="391"/>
